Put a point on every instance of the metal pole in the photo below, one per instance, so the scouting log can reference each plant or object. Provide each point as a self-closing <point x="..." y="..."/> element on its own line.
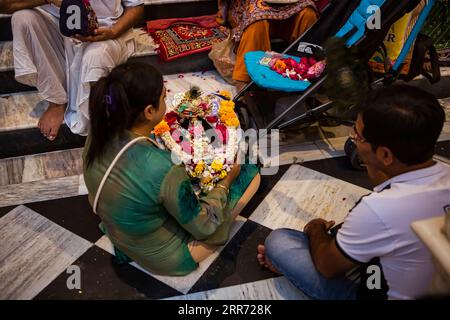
<point x="299" y="100"/>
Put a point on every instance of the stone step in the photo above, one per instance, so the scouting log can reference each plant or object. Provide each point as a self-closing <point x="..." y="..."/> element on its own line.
<point x="154" y="9"/>
<point x="146" y="52"/>
<point x="19" y="135"/>
<point x="145" y="47"/>
<point x="32" y="168"/>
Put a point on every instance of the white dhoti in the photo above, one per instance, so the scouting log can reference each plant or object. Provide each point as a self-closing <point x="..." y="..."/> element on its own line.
<point x="63" y="69"/>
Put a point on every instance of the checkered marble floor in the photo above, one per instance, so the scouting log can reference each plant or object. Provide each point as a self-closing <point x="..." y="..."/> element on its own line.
<point x="47" y="224"/>
<point x="41" y="239"/>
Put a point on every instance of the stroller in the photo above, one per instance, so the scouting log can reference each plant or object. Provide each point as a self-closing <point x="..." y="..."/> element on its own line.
<point x="345" y="20"/>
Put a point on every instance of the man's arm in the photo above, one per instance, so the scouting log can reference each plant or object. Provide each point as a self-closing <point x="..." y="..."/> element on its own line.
<point x="11" y="6"/>
<point x="131" y="16"/>
<point x="327" y="258"/>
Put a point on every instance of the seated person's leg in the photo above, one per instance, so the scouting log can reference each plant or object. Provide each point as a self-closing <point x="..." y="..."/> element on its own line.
<point x="287" y="251"/>
<point x="39" y="61"/>
<point x="199" y="250"/>
<point x="99" y="58"/>
<point x="247" y="196"/>
<point x="255" y="37"/>
<point x="302" y="22"/>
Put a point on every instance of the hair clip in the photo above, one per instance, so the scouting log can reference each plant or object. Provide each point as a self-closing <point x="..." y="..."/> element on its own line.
<point x="108" y="99"/>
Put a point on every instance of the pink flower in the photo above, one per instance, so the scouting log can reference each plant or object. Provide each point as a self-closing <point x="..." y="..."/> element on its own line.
<point x="221" y="132"/>
<point x="204" y="106"/>
<point x="186" y="146"/>
<point x="302" y="68"/>
<point x="171" y="118"/>
<point x="198" y="130"/>
<point x="211" y="119"/>
<point x="176" y="135"/>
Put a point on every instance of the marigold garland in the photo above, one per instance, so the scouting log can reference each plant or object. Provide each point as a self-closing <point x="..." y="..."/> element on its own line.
<point x="205" y="164"/>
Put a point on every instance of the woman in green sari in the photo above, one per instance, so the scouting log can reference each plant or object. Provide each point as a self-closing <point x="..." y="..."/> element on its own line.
<point x="147" y="204"/>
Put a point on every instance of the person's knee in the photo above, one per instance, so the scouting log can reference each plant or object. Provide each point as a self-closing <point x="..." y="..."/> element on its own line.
<point x="260" y="27"/>
<point x="97" y="55"/>
<point x="276" y="242"/>
<point x="24" y="19"/>
<point x="309" y="14"/>
<point x="93" y="52"/>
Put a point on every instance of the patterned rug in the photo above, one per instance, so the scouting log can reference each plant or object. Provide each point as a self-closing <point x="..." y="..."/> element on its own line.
<point x="182" y="37"/>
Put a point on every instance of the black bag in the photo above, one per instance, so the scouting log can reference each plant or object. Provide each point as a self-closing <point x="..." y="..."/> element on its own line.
<point x="77" y="17"/>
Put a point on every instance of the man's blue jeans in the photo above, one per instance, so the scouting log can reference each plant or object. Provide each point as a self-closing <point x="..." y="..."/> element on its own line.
<point x="288" y="250"/>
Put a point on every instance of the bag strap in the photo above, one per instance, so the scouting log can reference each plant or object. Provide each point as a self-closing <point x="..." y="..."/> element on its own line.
<point x="111" y="166"/>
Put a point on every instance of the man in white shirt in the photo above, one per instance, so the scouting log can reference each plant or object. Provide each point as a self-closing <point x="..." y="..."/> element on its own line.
<point x="61" y="68"/>
<point x="395" y="135"/>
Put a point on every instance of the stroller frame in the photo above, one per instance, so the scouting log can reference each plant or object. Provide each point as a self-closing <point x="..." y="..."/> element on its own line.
<point x="317" y="111"/>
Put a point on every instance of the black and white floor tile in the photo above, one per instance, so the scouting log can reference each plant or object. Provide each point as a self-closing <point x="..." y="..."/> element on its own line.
<point x="47" y="224"/>
<point x="40" y="240"/>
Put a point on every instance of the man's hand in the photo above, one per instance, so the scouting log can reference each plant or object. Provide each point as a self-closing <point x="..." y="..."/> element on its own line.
<point x="100" y="34"/>
<point x="318" y="223"/>
<point x="327" y="258"/>
<point x="131" y="16"/>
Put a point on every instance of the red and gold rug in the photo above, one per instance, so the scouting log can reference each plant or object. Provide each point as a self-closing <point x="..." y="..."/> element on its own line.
<point x="182" y="37"/>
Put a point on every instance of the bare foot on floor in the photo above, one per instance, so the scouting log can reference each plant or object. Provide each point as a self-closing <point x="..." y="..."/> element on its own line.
<point x="51" y="120"/>
<point x="263" y="260"/>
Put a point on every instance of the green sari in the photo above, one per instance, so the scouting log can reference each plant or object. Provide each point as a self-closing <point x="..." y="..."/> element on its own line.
<point x="149" y="209"/>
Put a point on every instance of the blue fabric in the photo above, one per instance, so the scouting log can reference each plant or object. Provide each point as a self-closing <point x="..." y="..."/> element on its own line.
<point x="264" y="77"/>
<point x="288" y="250"/>
<point x="357" y="21"/>
<point x="413" y="35"/>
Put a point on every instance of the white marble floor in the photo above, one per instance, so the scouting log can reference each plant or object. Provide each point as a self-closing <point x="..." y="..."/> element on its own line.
<point x="303" y="194"/>
<point x="33" y="252"/>
<point x="271" y="289"/>
<point x="183" y="283"/>
<point x="16" y="110"/>
<point x="35" y="191"/>
<point x="37" y="167"/>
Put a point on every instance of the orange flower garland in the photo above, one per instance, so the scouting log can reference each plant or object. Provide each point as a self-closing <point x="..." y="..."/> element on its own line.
<point x="161" y="128"/>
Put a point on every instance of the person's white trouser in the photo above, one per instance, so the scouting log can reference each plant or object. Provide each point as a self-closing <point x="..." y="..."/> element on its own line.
<point x="62" y="69"/>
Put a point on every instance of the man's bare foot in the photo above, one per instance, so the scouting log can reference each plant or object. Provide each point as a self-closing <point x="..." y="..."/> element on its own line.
<point x="51" y="120"/>
<point x="263" y="260"/>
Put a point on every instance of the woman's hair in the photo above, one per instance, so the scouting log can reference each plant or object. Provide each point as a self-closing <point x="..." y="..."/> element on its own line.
<point x="117" y="100"/>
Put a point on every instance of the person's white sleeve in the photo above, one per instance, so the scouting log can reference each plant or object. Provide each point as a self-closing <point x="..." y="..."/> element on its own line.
<point x="132" y="3"/>
<point x="363" y="235"/>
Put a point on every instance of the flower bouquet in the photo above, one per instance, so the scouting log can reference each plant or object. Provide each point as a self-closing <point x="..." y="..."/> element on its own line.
<point x="202" y="133"/>
<point x="307" y="68"/>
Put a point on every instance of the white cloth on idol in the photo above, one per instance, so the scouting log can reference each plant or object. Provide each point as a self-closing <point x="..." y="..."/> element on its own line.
<point x="62" y="69"/>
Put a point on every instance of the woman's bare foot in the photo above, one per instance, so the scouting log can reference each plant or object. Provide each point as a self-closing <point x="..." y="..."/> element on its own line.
<point x="263" y="260"/>
<point x="51" y="120"/>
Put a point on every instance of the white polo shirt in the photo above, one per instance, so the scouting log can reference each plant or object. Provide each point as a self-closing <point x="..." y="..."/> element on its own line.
<point x="380" y="227"/>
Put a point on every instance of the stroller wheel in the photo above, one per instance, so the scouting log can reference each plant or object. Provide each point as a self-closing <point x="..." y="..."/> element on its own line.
<point x="356" y="162"/>
<point x="349" y="147"/>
